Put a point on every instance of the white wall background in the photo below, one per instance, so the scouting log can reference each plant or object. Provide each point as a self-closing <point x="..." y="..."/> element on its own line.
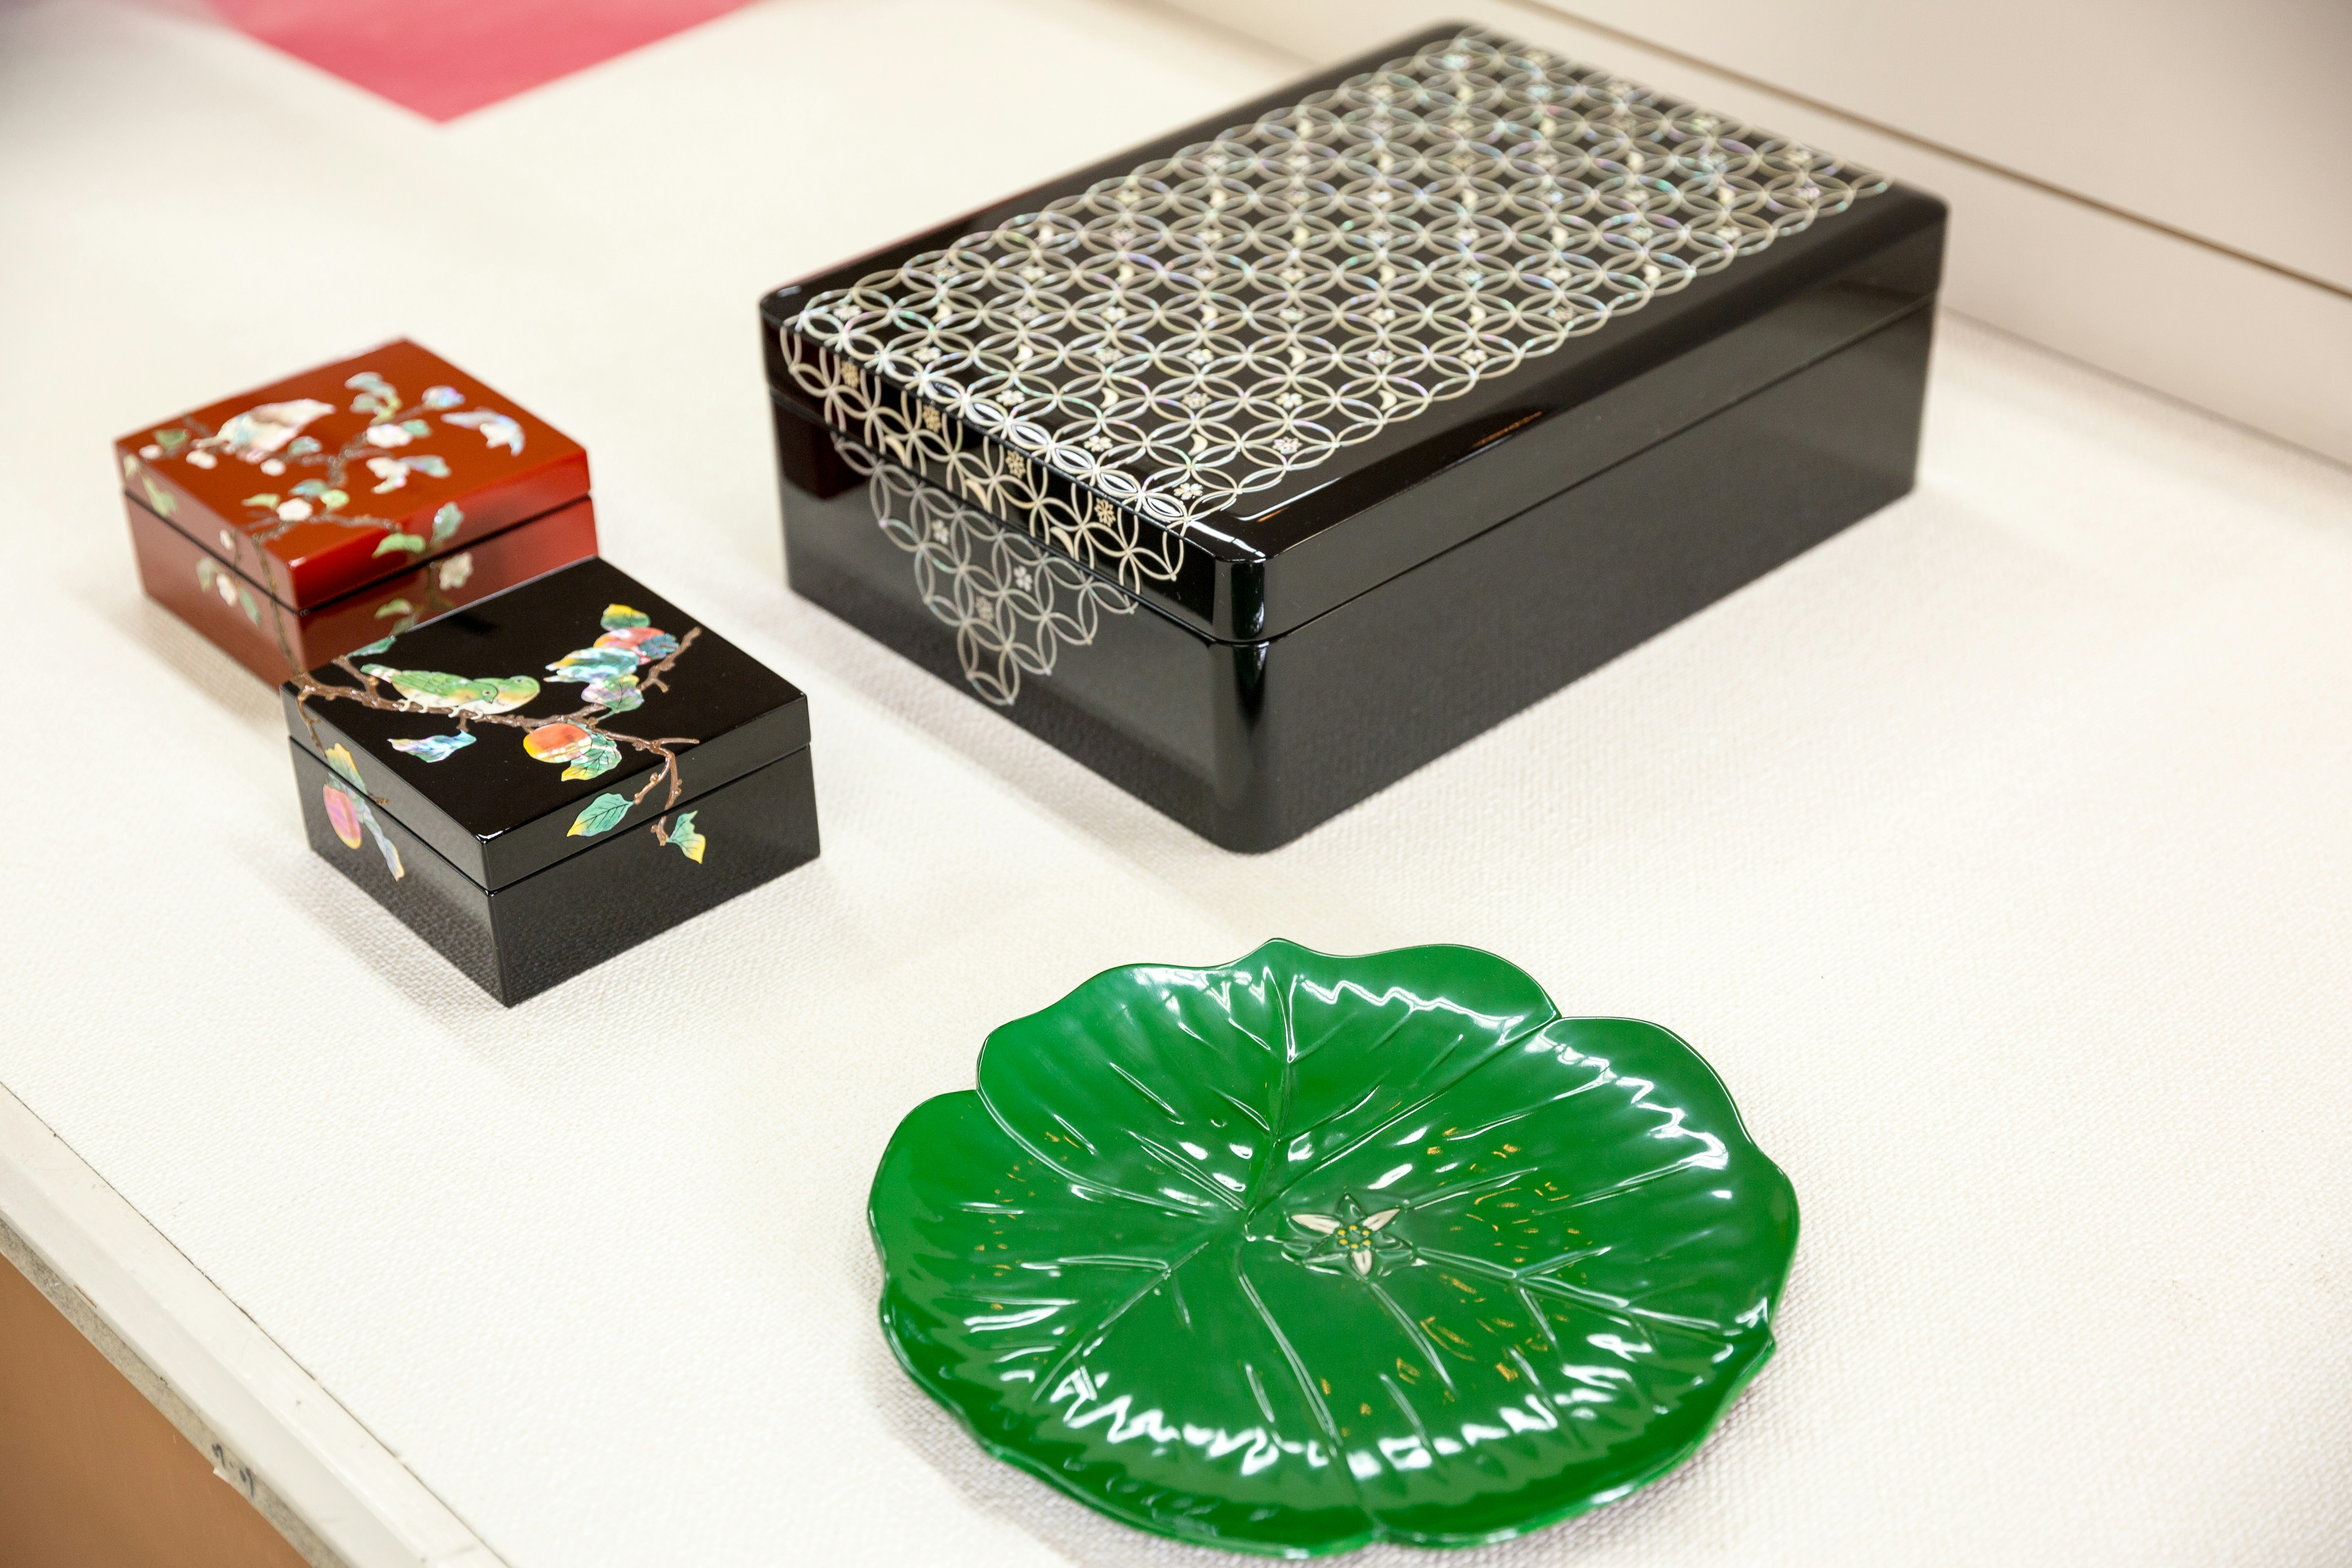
<point x="2161" y="187"/>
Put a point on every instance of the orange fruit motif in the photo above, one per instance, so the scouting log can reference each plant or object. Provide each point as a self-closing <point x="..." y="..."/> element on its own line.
<point x="342" y="814"/>
<point x="556" y="743"/>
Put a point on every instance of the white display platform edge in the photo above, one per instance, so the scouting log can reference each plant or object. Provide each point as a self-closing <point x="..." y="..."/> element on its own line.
<point x="271" y="1430"/>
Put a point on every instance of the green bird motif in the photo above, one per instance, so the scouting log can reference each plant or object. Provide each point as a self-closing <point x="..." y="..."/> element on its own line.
<point x="458" y="693"/>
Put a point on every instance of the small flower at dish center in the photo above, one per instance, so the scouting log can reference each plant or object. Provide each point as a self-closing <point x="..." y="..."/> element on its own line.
<point x="1353" y="1234"/>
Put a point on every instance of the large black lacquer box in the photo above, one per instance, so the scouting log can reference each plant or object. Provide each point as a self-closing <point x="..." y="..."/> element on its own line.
<point x="1258" y="467"/>
<point x="549" y="776"/>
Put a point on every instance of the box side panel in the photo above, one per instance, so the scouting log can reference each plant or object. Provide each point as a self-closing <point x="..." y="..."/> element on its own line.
<point x="237" y="616"/>
<point x="224" y="607"/>
<point x="547" y="840"/>
<point x="346" y="564"/>
<point x="427" y="894"/>
<point x="1252" y="744"/>
<point x="1133" y="747"/>
<point x="1127" y="689"/>
<point x="1393" y="679"/>
<point x="579" y="913"/>
<point x="544" y="930"/>
<point x="450" y="582"/>
<point x="1509" y="458"/>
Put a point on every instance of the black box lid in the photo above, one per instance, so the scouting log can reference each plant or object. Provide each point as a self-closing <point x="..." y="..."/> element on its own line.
<point x="1187" y="367"/>
<point x="533" y="724"/>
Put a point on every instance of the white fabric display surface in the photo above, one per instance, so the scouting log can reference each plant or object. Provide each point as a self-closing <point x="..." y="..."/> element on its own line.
<point x="1997" y="853"/>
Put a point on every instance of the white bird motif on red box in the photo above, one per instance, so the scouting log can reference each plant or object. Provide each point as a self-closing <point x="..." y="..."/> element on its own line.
<point x="257" y="433"/>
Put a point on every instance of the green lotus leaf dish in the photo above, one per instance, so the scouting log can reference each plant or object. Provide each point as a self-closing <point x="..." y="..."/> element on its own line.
<point x="1301" y="1252"/>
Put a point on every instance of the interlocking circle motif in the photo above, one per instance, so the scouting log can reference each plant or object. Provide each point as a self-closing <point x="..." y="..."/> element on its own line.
<point x="1013" y="603"/>
<point x="900" y="427"/>
<point x="1205" y="325"/>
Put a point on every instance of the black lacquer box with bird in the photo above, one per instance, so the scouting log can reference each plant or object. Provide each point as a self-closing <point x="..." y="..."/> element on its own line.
<point x="1258" y="467"/>
<point x="547" y="777"/>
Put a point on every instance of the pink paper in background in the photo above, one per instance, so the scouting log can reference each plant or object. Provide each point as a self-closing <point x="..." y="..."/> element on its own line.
<point x="444" y="58"/>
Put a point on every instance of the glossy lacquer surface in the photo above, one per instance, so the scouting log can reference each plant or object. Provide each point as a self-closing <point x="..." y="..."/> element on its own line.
<point x="1305" y="1252"/>
<point x="1273" y="359"/>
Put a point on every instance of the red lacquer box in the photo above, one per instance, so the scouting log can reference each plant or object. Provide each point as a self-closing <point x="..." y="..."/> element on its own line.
<point x="297" y="522"/>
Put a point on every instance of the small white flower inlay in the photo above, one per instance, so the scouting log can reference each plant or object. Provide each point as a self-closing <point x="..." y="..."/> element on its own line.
<point x="1351" y="1232"/>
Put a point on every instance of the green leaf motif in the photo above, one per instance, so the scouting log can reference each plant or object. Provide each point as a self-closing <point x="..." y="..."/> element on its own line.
<point x="399" y="542"/>
<point x="310" y="487"/>
<point x="250" y="606"/>
<point x="376" y="396"/>
<point x="416" y="426"/>
<point x="265" y="500"/>
<point x="446" y="523"/>
<point x="598" y="815"/>
<point x="1302" y="1252"/>
<point x="339" y="758"/>
<point x="602" y="756"/>
<point x="396" y="607"/>
<point x="682" y="837"/>
<point x="384" y="843"/>
<point x="170" y="440"/>
<point x="381" y="645"/>
<point x="159" y="497"/>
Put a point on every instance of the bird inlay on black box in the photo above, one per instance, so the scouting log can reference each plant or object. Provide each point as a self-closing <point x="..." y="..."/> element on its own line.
<point x="553" y="775"/>
<point x="1260" y="466"/>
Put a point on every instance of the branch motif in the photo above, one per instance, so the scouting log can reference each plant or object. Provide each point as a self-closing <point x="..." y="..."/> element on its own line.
<point x="582" y="739"/>
<point x="270" y="437"/>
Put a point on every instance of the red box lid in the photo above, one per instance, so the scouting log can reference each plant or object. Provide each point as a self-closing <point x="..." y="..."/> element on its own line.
<point x="342" y="476"/>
